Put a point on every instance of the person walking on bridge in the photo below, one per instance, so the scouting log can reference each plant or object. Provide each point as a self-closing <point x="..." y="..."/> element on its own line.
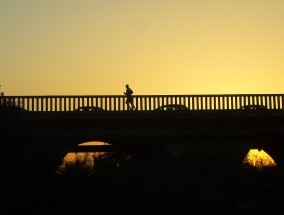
<point x="129" y="98"/>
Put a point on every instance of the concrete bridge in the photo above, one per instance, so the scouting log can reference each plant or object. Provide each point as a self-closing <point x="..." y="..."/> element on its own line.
<point x="214" y="126"/>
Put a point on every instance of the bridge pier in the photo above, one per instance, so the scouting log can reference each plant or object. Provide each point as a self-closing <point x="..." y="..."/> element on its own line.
<point x="47" y="155"/>
<point x="30" y="157"/>
<point x="218" y="154"/>
<point x="275" y="148"/>
<point x="195" y="152"/>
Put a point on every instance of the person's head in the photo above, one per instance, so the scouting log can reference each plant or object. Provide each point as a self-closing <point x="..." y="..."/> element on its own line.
<point x="126" y="85"/>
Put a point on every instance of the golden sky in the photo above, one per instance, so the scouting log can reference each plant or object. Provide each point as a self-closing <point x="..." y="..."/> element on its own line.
<point x="95" y="47"/>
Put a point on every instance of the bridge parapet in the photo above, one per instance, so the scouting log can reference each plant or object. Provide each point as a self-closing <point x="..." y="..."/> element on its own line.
<point x="145" y="102"/>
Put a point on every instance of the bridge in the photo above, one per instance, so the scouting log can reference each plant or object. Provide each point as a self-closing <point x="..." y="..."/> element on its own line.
<point x="48" y="127"/>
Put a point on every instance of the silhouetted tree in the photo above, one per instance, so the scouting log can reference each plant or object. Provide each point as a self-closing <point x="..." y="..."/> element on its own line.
<point x="9" y="103"/>
<point x="2" y="97"/>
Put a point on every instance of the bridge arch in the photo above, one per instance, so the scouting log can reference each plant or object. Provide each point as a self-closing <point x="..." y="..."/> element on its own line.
<point x="51" y="128"/>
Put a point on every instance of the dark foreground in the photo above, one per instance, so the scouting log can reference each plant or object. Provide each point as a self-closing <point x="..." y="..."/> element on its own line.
<point x="143" y="184"/>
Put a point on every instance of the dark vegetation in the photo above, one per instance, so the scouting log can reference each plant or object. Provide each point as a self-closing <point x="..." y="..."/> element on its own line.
<point x="9" y="105"/>
<point x="142" y="183"/>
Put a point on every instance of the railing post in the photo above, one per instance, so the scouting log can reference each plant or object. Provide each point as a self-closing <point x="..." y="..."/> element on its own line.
<point x="117" y="103"/>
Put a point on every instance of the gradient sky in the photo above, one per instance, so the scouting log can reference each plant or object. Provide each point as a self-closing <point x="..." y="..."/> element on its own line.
<point x="95" y="47"/>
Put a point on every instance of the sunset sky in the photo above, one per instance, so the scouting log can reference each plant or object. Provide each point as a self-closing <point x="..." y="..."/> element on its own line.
<point x="95" y="47"/>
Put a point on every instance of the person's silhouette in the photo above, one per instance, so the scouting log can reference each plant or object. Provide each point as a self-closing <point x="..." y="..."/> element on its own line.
<point x="129" y="98"/>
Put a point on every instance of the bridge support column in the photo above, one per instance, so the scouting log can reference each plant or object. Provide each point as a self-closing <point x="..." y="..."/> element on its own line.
<point x="218" y="154"/>
<point x="277" y="154"/>
<point x="36" y="157"/>
<point x="48" y="155"/>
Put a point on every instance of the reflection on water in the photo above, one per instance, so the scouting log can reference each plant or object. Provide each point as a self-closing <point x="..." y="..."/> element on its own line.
<point x="259" y="159"/>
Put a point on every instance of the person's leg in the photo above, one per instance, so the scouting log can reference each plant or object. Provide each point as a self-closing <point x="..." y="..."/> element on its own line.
<point x="130" y="101"/>
<point x="133" y="107"/>
<point x="127" y="103"/>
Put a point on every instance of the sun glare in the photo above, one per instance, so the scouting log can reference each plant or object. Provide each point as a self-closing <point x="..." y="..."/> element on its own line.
<point x="259" y="159"/>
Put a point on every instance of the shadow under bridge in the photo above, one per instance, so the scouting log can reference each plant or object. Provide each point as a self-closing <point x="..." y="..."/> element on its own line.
<point x="224" y="134"/>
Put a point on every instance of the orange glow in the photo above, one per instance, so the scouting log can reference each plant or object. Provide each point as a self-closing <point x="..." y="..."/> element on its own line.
<point x="87" y="157"/>
<point x="183" y="47"/>
<point x="255" y="158"/>
<point x="259" y="159"/>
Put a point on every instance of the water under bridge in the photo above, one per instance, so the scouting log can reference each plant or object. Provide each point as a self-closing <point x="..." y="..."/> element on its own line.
<point x="48" y="127"/>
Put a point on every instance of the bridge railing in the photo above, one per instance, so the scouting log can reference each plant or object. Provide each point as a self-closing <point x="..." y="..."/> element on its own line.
<point x="145" y="102"/>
